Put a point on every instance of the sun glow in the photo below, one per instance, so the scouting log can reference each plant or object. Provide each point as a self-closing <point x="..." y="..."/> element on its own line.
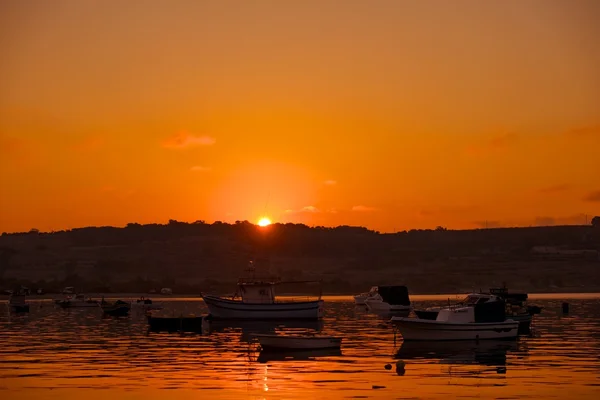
<point x="264" y="221"/>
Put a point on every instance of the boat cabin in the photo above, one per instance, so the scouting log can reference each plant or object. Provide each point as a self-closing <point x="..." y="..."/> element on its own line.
<point x="477" y="307"/>
<point x="256" y="292"/>
<point x="394" y="295"/>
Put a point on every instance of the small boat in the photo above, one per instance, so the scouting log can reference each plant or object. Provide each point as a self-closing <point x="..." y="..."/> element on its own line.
<point x="360" y="299"/>
<point x="17" y="303"/>
<point x="484" y="320"/>
<point x="389" y="299"/>
<point x="255" y="299"/>
<point x="79" y="301"/>
<point x="117" y="309"/>
<point x="166" y="291"/>
<point x="297" y="342"/>
<point x="147" y="304"/>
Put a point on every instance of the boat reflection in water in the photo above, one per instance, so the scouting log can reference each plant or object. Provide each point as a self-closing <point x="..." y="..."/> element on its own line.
<point x="268" y="326"/>
<point x="485" y="353"/>
<point x="296" y="355"/>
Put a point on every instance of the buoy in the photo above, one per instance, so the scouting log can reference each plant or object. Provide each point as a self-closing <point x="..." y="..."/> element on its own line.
<point x="565" y="308"/>
<point x="388" y="366"/>
<point x="400" y="367"/>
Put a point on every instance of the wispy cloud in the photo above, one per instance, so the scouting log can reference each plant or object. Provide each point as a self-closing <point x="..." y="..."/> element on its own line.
<point x="555" y="188"/>
<point x="363" y="208"/>
<point x="184" y="139"/>
<point x="306" y="209"/>
<point x="584" y="131"/>
<point x="593" y="196"/>
<point x="200" y="168"/>
<point x="330" y="182"/>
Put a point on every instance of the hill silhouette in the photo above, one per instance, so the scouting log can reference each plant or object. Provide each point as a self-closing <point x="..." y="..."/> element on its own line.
<point x="194" y="257"/>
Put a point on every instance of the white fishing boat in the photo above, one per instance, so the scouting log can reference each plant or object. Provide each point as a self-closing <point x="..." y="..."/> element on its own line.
<point x="360" y="299"/>
<point x="484" y="320"/>
<point x="297" y="342"/>
<point x="515" y="306"/>
<point x="389" y="299"/>
<point x="78" y="301"/>
<point x="255" y="299"/>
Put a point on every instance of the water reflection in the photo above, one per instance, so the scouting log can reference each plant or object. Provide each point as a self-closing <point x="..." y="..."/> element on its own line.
<point x="485" y="353"/>
<point x="247" y="328"/>
<point x="76" y="352"/>
<point x="266" y="356"/>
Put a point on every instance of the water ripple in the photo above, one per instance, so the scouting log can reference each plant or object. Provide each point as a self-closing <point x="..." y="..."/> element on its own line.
<point x="79" y="351"/>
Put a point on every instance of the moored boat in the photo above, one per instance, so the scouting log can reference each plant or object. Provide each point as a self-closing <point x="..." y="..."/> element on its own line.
<point x="117" y="309"/>
<point x="515" y="307"/>
<point x="79" y="301"/>
<point x="389" y="299"/>
<point x="484" y="320"/>
<point x="297" y="342"/>
<point x="256" y="299"/>
<point x="360" y="299"/>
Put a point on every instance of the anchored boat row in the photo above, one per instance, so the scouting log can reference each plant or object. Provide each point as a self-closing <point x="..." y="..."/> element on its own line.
<point x="497" y="314"/>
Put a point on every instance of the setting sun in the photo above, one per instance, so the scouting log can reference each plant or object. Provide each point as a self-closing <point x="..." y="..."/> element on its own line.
<point x="264" y="221"/>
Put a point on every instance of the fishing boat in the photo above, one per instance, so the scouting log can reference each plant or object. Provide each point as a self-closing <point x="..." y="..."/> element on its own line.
<point x="515" y="304"/>
<point x="297" y="342"/>
<point x="360" y="299"/>
<point x="484" y="320"/>
<point x="17" y="303"/>
<point x="389" y="299"/>
<point x="117" y="309"/>
<point x="79" y="301"/>
<point x="255" y="299"/>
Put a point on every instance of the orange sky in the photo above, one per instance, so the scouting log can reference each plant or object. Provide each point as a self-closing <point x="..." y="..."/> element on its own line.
<point x="387" y="114"/>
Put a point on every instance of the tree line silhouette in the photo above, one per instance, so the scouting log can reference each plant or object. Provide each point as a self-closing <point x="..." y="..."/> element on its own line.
<point x="198" y="256"/>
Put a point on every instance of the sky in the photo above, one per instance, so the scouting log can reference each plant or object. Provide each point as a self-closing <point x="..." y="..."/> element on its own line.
<point x="392" y="114"/>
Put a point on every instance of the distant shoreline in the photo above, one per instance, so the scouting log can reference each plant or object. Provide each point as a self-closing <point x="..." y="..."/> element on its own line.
<point x="177" y="297"/>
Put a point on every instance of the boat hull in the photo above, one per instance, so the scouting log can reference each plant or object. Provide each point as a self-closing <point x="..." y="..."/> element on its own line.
<point x="281" y="342"/>
<point x="414" y="329"/>
<point x="220" y="308"/>
<point x="360" y="300"/>
<point x="120" y="310"/>
<point x="524" y="320"/>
